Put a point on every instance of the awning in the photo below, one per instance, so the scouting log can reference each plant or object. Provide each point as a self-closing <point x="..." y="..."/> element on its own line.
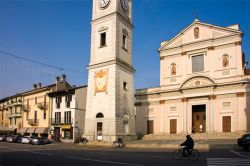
<point x="23" y="130"/>
<point x="4" y="128"/>
<point x="42" y="130"/>
<point x="31" y="130"/>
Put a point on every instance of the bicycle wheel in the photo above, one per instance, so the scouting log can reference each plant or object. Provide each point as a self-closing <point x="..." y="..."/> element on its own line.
<point x="177" y="154"/>
<point x="195" y="154"/>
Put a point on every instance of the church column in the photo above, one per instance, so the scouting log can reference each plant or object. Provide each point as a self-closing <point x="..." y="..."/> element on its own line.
<point x="240" y="120"/>
<point x="184" y="117"/>
<point x="211" y="113"/>
<point x="162" y="118"/>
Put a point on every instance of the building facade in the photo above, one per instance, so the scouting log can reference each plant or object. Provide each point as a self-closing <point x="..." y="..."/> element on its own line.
<point x="110" y="98"/>
<point x="68" y="113"/>
<point x="204" y="86"/>
<point x="3" y="112"/>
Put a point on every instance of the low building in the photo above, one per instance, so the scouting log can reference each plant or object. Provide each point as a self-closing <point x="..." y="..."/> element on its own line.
<point x="68" y="113"/>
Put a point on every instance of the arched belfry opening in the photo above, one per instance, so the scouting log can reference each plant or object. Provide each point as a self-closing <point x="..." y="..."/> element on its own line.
<point x="99" y="115"/>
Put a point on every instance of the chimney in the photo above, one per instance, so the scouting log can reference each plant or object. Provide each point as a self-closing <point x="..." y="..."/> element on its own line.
<point x="39" y="85"/>
<point x="57" y="79"/>
<point x="63" y="77"/>
<point x="34" y="86"/>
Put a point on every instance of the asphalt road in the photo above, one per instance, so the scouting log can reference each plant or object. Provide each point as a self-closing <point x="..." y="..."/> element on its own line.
<point x="71" y="154"/>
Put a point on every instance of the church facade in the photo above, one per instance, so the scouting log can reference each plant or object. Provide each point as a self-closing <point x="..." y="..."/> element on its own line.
<point x="204" y="85"/>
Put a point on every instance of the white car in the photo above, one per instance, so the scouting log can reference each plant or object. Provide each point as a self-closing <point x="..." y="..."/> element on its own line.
<point x="26" y="139"/>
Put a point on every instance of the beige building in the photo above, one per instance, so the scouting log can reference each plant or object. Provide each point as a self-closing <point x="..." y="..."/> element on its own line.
<point x="110" y="97"/>
<point x="204" y="86"/>
<point x="3" y="112"/>
<point x="68" y="113"/>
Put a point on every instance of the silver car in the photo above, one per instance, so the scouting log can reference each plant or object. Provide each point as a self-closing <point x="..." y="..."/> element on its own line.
<point x="26" y="139"/>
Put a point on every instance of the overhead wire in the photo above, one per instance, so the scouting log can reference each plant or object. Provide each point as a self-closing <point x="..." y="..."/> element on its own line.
<point x="40" y="63"/>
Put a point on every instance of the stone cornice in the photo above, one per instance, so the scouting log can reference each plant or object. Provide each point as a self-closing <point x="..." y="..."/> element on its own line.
<point x="111" y="62"/>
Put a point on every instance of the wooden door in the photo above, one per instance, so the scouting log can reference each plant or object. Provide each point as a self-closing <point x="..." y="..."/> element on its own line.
<point x="150" y="127"/>
<point x="173" y="126"/>
<point x="226" y="124"/>
<point x="199" y="122"/>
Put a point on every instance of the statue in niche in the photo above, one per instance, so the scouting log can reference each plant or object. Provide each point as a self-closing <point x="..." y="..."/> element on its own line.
<point x="196" y="32"/>
<point x="225" y="61"/>
<point x="173" y="69"/>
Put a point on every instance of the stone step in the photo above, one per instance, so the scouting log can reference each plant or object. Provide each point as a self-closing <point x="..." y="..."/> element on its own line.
<point x="233" y="135"/>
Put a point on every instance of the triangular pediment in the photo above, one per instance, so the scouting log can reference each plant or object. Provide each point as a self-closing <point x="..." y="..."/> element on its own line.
<point x="196" y="32"/>
<point x="196" y="82"/>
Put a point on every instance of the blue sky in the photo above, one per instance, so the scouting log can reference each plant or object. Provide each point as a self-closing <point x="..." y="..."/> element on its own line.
<point x="57" y="32"/>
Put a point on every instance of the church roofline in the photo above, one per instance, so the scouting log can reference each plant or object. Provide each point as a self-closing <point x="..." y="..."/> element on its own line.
<point x="200" y="23"/>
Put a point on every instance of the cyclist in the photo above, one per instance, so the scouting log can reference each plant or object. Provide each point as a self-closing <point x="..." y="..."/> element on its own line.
<point x="189" y="144"/>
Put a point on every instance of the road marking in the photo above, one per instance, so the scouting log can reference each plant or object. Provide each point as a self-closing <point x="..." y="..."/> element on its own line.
<point x="102" y="161"/>
<point x="48" y="154"/>
<point x="227" y="161"/>
<point x="241" y="155"/>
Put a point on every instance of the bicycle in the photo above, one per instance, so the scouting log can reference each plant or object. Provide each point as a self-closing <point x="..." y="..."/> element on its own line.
<point x="117" y="144"/>
<point x="193" y="154"/>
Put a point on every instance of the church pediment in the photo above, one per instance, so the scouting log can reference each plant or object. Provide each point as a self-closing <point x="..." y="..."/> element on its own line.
<point x="196" y="82"/>
<point x="199" y="31"/>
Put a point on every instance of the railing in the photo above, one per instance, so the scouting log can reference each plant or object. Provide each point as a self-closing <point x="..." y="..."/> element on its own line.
<point x="26" y="108"/>
<point x="33" y="122"/>
<point x="13" y="103"/>
<point x="15" y="115"/>
<point x="42" y="106"/>
<point x="57" y="121"/>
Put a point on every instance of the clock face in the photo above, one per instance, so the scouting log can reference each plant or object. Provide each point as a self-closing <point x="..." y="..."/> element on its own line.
<point x="101" y="81"/>
<point x="103" y="3"/>
<point x="124" y="4"/>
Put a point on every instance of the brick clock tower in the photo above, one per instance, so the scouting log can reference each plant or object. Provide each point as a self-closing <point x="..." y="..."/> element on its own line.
<point x="110" y="100"/>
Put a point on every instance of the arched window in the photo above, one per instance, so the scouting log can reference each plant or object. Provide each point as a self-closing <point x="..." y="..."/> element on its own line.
<point x="225" y="60"/>
<point x="99" y="115"/>
<point x="173" y="69"/>
<point x="196" y="32"/>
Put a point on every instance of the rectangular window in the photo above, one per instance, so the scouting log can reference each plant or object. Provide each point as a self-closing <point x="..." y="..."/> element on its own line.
<point x="58" y="102"/>
<point x="103" y="39"/>
<point x="15" y="121"/>
<point x="35" y="116"/>
<point x="35" y="100"/>
<point x="44" y="114"/>
<point x="197" y="63"/>
<point x="68" y="99"/>
<point x="124" y="42"/>
<point x="67" y="117"/>
<point x="57" y="117"/>
<point x="125" y="128"/>
<point x="125" y="86"/>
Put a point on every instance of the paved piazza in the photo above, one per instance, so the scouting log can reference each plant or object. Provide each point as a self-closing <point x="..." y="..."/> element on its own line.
<point x="72" y="154"/>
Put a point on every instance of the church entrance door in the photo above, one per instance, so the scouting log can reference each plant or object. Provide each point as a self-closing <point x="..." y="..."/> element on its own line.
<point x="199" y="118"/>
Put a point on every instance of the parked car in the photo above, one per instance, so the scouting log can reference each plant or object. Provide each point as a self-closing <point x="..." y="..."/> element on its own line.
<point x="3" y="138"/>
<point x="40" y="141"/>
<point x="14" y="138"/>
<point x="244" y="141"/>
<point x="26" y="139"/>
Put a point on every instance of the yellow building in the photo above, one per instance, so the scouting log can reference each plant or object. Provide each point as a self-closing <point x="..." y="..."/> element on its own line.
<point x="36" y="110"/>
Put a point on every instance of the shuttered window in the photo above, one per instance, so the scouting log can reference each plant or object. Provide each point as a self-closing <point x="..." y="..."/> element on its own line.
<point x="197" y="63"/>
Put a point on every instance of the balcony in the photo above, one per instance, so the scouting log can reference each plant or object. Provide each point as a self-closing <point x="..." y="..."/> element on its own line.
<point x="33" y="122"/>
<point x="57" y="121"/>
<point x="11" y="103"/>
<point x="15" y="115"/>
<point x="42" y="106"/>
<point x="26" y="108"/>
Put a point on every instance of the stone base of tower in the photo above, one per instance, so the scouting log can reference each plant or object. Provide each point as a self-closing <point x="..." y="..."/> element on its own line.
<point x="112" y="129"/>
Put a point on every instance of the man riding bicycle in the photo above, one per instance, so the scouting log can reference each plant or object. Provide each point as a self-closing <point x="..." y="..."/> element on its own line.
<point x="189" y="144"/>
